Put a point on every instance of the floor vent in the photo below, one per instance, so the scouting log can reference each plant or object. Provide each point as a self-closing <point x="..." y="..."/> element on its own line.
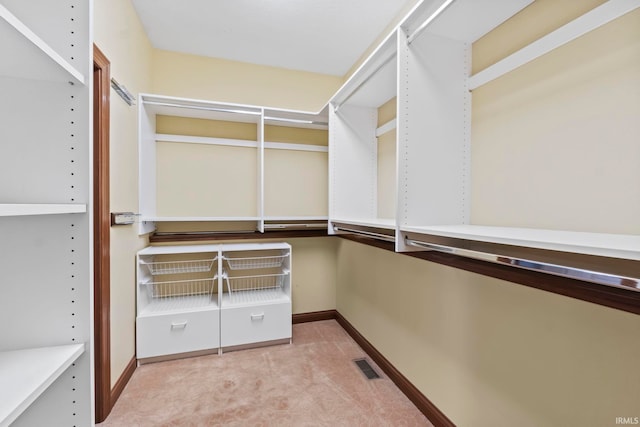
<point x="366" y="369"/>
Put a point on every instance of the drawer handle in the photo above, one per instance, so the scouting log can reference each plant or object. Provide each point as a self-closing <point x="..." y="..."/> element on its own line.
<point x="179" y="325"/>
<point x="257" y="316"/>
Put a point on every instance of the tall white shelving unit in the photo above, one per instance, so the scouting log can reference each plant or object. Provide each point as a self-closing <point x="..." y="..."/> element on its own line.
<point x="432" y="80"/>
<point x="46" y="309"/>
<point x="250" y="195"/>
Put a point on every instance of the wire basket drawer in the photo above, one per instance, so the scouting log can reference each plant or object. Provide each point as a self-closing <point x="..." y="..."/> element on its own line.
<point x="248" y="263"/>
<point x="178" y="267"/>
<point x="255" y="283"/>
<point x="255" y="289"/>
<point x="181" y="288"/>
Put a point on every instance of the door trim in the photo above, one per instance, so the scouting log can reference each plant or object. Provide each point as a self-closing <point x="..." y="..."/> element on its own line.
<point x="101" y="228"/>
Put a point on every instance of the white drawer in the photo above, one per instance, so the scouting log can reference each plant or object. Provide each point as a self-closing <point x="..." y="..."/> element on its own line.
<point x="244" y="325"/>
<point x="160" y="335"/>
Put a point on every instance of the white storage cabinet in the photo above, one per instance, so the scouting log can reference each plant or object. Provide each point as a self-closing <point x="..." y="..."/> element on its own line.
<point x="256" y="297"/>
<point x="178" y="307"/>
<point x="46" y="308"/>
<point x="200" y="298"/>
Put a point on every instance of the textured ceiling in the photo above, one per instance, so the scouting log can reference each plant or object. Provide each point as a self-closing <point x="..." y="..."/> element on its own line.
<point x="322" y="36"/>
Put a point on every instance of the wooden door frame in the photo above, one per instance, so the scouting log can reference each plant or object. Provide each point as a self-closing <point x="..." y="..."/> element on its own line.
<point x="101" y="239"/>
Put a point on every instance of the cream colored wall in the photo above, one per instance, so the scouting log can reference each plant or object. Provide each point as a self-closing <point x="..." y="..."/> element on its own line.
<point x="387" y="162"/>
<point x="197" y="77"/>
<point x="488" y="352"/>
<point x="562" y="132"/>
<point x="119" y="35"/>
<point x="492" y="353"/>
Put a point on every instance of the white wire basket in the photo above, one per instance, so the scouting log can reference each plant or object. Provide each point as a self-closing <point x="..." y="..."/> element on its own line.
<point x="253" y="289"/>
<point x="248" y="263"/>
<point x="254" y="283"/>
<point x="181" y="288"/>
<point x="178" y="267"/>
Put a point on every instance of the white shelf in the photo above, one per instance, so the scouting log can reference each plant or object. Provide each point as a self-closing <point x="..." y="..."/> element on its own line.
<point x="599" y="244"/>
<point x="386" y="223"/>
<point x="40" y="209"/>
<point x="31" y="57"/>
<point x="25" y="374"/>
<point x="187" y="139"/>
<point x="200" y="218"/>
<point x="296" y="218"/>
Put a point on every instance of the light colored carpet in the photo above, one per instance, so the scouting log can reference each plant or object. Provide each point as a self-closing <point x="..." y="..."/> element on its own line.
<point x="312" y="382"/>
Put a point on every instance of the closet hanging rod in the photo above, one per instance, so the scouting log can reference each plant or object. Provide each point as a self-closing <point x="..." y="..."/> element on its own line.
<point x="428" y="21"/>
<point x="380" y="236"/>
<point x="301" y="121"/>
<point x="600" y="278"/>
<point x="362" y="83"/>
<point x="294" y="225"/>
<point x="195" y="107"/>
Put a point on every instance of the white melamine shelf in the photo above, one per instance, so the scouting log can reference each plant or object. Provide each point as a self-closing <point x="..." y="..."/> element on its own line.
<point x="200" y="218"/>
<point x="608" y="245"/>
<point x="31" y="57"/>
<point x="187" y="139"/>
<point x="296" y="218"/>
<point x="40" y="209"/>
<point x="386" y="223"/>
<point x="25" y="374"/>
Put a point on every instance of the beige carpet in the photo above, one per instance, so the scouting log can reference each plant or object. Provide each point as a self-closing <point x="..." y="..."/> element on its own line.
<point x="312" y="382"/>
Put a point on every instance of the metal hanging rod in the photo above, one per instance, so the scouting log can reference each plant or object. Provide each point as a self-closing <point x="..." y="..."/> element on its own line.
<point x="301" y="121"/>
<point x="380" y="236"/>
<point x="294" y="225"/>
<point x="373" y="73"/>
<point x="600" y="278"/>
<point x="428" y="21"/>
<point x="195" y="107"/>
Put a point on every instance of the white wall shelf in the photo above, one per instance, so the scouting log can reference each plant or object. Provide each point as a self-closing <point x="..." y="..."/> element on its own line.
<point x="31" y="57"/>
<point x="298" y="166"/>
<point x="239" y="143"/>
<point x="40" y="209"/>
<point x="599" y="244"/>
<point x="26" y="374"/>
<point x="386" y="223"/>
<point x="200" y="218"/>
